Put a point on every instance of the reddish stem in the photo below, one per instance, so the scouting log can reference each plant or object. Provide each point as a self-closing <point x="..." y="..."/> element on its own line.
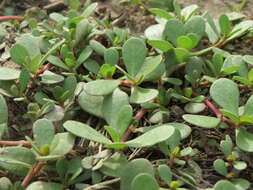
<point x="43" y="69"/>
<point x="137" y="118"/>
<point x="32" y="172"/>
<point x="15" y="143"/>
<point x="217" y="112"/>
<point x="6" y="18"/>
<point x="212" y="107"/>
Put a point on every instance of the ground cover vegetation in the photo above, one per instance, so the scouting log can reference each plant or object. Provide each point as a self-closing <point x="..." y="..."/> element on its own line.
<point x="89" y="105"/>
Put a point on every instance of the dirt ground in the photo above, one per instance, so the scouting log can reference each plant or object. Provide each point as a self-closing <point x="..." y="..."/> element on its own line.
<point x="216" y="7"/>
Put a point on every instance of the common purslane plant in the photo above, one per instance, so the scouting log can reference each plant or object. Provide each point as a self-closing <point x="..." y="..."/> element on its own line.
<point x="109" y="109"/>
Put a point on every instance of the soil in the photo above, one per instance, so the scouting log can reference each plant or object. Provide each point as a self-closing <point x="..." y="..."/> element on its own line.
<point x="217" y="7"/>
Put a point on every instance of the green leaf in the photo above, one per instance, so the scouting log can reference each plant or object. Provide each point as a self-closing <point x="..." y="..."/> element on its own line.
<point x="184" y="129"/>
<point x="85" y="131"/>
<point x="240" y="165"/>
<point x="227" y="146"/>
<point x="141" y="95"/>
<point x="16" y="160"/>
<point x="24" y="80"/>
<point x="220" y="167"/>
<point x="162" y="45"/>
<point x="89" y="10"/>
<point x="3" y="110"/>
<point x="165" y="173"/>
<point x="154" y="32"/>
<point x="111" y="56"/>
<point x="91" y="104"/>
<point x="97" y="47"/>
<point x="181" y="54"/>
<point x="248" y="59"/>
<point x="194" y="107"/>
<point x="84" y="55"/>
<point x="144" y="181"/>
<point x="82" y="31"/>
<point x="149" y="66"/>
<point x="113" y="133"/>
<point x="49" y="77"/>
<point x="225" y="24"/>
<point x="62" y="144"/>
<point x="185" y="42"/>
<point x="173" y="29"/>
<point x="189" y="11"/>
<point x="202" y="121"/>
<point x="152" y="137"/>
<point x="134" y="52"/>
<point x="224" y="184"/>
<point x="107" y="71"/>
<point x="132" y="169"/>
<point x="43" y="132"/>
<point x="244" y="140"/>
<point x="226" y="94"/>
<point x="196" y="24"/>
<point x="30" y="43"/>
<point x="240" y="29"/>
<point x="241" y="184"/>
<point x="19" y="54"/>
<point x="3" y="117"/>
<point x="92" y="66"/>
<point x="5" y="183"/>
<point x="114" y="108"/>
<point x="124" y="119"/>
<point x="101" y="87"/>
<point x="161" y="13"/>
<point x="39" y="185"/>
<point x="8" y="73"/>
<point x="114" y="165"/>
<point x="248" y="108"/>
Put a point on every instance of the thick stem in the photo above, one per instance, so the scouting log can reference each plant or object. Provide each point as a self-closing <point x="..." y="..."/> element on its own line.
<point x="6" y="18"/>
<point x="15" y="143"/>
<point x="32" y="172"/>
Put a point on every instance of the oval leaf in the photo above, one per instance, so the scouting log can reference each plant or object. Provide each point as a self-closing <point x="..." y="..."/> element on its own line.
<point x="202" y="121"/>
<point x="134" y="53"/>
<point x="226" y="94"/>
<point x="141" y="95"/>
<point x="101" y="87"/>
<point x="85" y="131"/>
<point x="154" y="136"/>
<point x="244" y="140"/>
<point x="8" y="73"/>
<point x="144" y="181"/>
